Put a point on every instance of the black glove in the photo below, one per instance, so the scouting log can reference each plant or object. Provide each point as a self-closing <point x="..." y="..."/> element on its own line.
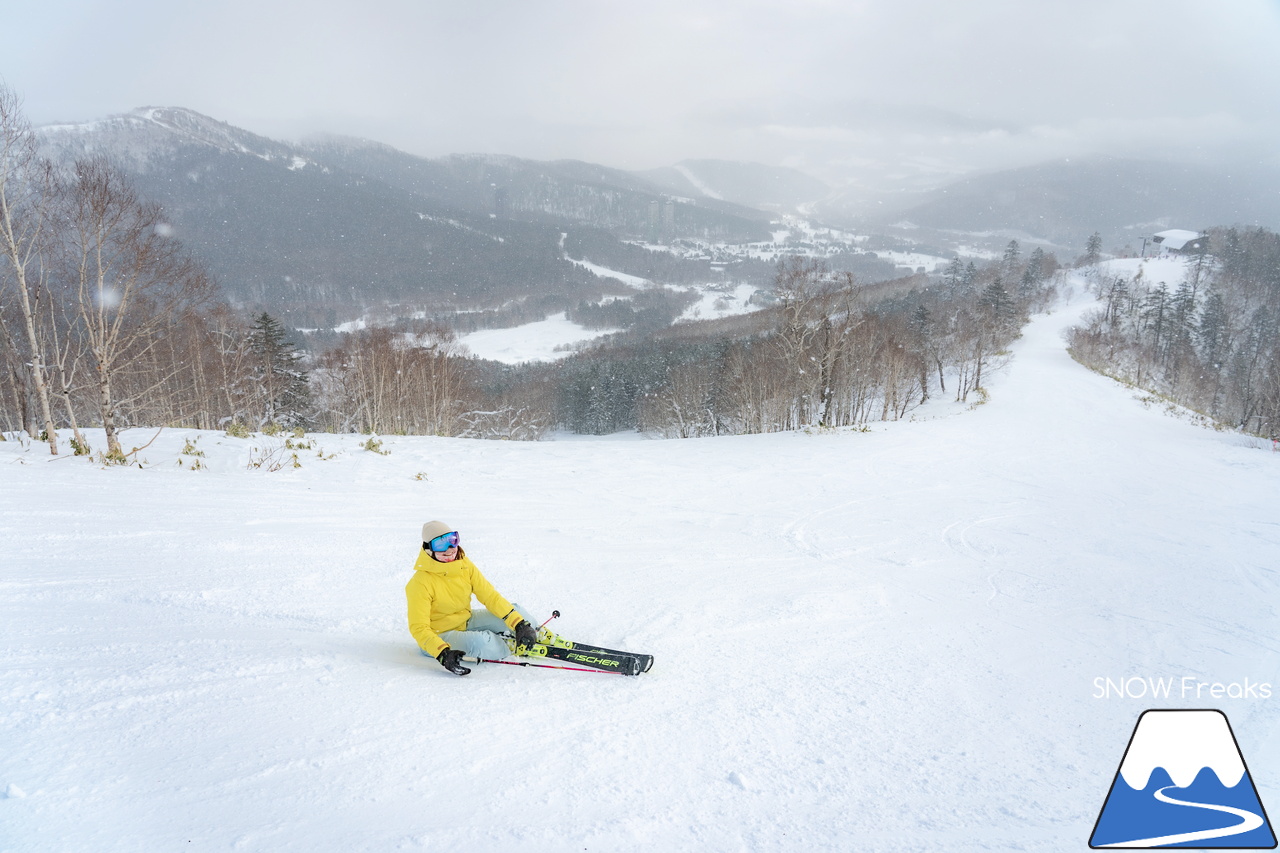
<point x="451" y="659"/>
<point x="525" y="634"/>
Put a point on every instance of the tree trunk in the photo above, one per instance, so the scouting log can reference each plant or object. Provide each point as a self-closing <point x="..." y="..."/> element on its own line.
<point x="61" y="355"/>
<point x="19" y="392"/>
<point x="37" y="357"/>
<point x="114" y="450"/>
<point x="71" y="414"/>
<point x="22" y="214"/>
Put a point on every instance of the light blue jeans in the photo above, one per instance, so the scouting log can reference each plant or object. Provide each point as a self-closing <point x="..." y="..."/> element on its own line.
<point x="479" y="639"/>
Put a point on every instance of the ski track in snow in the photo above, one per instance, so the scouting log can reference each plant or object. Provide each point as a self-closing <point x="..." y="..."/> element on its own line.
<point x="888" y="636"/>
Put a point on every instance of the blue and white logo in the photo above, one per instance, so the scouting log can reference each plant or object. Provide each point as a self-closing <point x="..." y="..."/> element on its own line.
<point x="1183" y="783"/>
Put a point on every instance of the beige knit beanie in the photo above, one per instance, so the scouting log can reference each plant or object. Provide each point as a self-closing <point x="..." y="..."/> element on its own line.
<point x="432" y="529"/>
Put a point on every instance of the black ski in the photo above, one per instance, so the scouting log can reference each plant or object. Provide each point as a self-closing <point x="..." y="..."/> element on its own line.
<point x="619" y="662"/>
<point x="645" y="662"/>
<point x="553" y="647"/>
<point x="547" y="638"/>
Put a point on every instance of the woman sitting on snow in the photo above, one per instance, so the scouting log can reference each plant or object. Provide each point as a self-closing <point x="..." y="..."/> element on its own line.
<point x="440" y="614"/>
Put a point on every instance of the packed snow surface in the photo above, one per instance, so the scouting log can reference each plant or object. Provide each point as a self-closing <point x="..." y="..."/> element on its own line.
<point x="884" y="641"/>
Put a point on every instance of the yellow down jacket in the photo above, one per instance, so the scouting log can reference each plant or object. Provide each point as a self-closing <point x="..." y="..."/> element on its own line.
<point x="439" y="596"/>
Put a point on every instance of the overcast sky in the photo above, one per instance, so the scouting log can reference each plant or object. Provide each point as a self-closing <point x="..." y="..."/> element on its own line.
<point x="872" y="91"/>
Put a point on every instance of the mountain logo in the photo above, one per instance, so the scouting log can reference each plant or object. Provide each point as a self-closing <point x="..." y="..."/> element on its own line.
<point x="1183" y="783"/>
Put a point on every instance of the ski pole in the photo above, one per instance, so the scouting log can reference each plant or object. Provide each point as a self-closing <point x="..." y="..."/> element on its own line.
<point x="540" y="665"/>
<point x="555" y="614"/>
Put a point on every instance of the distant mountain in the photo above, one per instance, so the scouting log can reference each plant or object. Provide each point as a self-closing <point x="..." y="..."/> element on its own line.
<point x="326" y="230"/>
<point x="1124" y="200"/>
<point x="751" y="184"/>
<point x="145" y="138"/>
<point x="563" y="190"/>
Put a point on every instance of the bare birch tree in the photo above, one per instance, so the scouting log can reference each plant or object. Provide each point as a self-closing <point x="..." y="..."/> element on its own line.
<point x="25" y="195"/>
<point x="131" y="280"/>
<point x="67" y="350"/>
<point x="382" y="382"/>
<point x="15" y="374"/>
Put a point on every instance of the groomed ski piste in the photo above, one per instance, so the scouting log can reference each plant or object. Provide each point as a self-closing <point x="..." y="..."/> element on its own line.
<point x="878" y="641"/>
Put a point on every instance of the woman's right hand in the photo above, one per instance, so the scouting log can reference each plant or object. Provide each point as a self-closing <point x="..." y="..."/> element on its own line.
<point x="451" y="659"/>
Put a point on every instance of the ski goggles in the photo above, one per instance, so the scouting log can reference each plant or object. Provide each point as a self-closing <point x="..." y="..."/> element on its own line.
<point x="444" y="542"/>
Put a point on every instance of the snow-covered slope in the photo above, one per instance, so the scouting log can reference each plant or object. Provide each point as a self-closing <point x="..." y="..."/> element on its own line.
<point x="544" y="340"/>
<point x="885" y="641"/>
<point x="153" y="133"/>
<point x="752" y="184"/>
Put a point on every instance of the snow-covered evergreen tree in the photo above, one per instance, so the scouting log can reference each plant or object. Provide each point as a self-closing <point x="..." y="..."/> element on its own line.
<point x="284" y="394"/>
<point x="1093" y="249"/>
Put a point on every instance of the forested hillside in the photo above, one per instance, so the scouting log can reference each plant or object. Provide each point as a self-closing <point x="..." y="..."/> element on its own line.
<point x="322" y="233"/>
<point x="1208" y="339"/>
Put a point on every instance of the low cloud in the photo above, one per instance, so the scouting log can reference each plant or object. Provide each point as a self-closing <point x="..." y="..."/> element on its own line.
<point x="851" y="91"/>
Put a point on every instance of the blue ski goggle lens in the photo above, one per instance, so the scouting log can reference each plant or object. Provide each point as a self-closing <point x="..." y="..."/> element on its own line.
<point x="444" y="543"/>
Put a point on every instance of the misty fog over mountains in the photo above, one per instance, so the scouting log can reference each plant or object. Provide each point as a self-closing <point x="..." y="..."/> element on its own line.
<point x="324" y="229"/>
<point x="1123" y="199"/>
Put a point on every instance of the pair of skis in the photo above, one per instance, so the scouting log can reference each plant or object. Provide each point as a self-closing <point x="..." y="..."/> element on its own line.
<point x="570" y="655"/>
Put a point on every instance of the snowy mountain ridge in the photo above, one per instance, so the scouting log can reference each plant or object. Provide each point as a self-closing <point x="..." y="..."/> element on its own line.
<point x="329" y="229"/>
<point x="142" y="133"/>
